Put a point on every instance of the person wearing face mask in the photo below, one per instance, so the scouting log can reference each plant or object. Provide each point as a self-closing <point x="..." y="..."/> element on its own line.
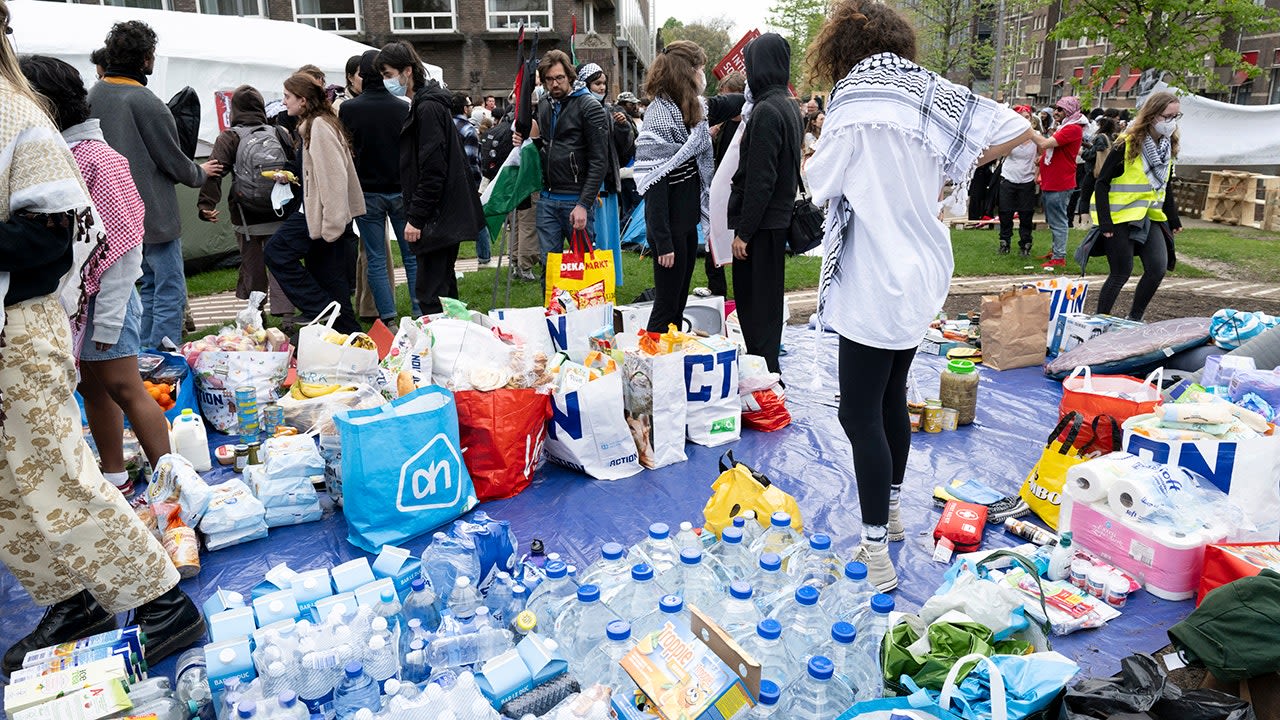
<point x="621" y="149"/>
<point x="1133" y="207"/>
<point x="1058" y="173"/>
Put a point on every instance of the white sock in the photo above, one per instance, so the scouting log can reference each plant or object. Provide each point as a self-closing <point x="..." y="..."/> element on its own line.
<point x="874" y="534"/>
<point x="118" y="479"/>
<point x="895" y="492"/>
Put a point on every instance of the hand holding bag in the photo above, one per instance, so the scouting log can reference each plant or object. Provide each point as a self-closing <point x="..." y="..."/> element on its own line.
<point x="579" y="269"/>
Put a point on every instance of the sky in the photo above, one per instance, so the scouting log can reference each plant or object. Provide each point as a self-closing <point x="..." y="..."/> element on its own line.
<point x="747" y="14"/>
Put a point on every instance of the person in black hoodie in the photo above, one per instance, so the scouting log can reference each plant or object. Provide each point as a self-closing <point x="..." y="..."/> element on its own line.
<point x="763" y="195"/>
<point x="373" y="118"/>
<point x="442" y="208"/>
<point x="253" y="225"/>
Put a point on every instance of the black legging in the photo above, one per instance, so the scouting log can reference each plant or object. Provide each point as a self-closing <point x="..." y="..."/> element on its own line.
<point x="1120" y="252"/>
<point x="873" y="412"/>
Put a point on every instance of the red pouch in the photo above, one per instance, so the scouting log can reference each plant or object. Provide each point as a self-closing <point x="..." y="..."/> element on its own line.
<point x="766" y="412"/>
<point x="962" y="523"/>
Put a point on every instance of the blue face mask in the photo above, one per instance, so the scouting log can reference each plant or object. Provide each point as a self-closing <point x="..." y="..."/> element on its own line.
<point x="598" y="96"/>
<point x="394" y="87"/>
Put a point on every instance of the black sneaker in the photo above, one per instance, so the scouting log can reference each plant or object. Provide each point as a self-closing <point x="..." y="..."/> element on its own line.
<point x="1004" y="248"/>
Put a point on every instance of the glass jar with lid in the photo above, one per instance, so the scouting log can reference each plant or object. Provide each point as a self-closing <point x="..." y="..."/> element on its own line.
<point x="959" y="389"/>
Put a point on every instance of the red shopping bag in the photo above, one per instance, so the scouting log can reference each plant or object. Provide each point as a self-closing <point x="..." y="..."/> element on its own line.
<point x="502" y="432"/>
<point x="1105" y="402"/>
<point x="765" y="411"/>
<point x="1228" y="562"/>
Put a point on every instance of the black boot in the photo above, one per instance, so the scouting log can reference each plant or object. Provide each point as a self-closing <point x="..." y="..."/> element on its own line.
<point x="1024" y="251"/>
<point x="76" y="617"/>
<point x="170" y="623"/>
<point x="1004" y="247"/>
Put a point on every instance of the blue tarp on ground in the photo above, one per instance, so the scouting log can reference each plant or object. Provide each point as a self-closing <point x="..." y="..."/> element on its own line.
<point x="811" y="459"/>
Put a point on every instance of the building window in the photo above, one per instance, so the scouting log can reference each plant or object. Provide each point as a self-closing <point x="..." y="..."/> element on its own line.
<point x="1275" y="86"/>
<point x="1240" y="93"/>
<point x="588" y="17"/>
<point x="340" y="16"/>
<point x="140" y="4"/>
<point x="423" y="16"/>
<point x="241" y="8"/>
<point x="508" y="14"/>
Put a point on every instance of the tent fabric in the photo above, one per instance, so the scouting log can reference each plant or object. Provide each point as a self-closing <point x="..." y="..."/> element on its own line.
<point x="1218" y="134"/>
<point x="635" y="232"/>
<point x="811" y="459"/>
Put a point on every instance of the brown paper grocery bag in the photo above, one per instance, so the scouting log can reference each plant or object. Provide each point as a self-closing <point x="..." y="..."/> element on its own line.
<point x="1014" y="324"/>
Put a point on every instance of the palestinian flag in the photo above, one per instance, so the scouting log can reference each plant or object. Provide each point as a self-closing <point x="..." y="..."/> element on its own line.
<point x="518" y="178"/>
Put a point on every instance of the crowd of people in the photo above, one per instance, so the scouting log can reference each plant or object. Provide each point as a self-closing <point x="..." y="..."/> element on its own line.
<point x="79" y="226"/>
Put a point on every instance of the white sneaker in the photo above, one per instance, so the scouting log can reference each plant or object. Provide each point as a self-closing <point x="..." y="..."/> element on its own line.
<point x="880" y="570"/>
<point x="896" y="533"/>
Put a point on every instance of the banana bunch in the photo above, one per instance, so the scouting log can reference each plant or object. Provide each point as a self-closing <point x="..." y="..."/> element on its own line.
<point x="355" y="340"/>
<point x="303" y="390"/>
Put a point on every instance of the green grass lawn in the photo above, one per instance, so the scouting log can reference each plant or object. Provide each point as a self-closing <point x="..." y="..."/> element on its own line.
<point x="975" y="253"/>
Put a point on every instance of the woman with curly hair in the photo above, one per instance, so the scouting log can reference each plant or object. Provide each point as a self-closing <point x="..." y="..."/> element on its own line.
<point x="895" y="133"/>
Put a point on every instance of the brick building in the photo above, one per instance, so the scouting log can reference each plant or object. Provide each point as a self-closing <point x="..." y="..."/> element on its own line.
<point x="1035" y="69"/>
<point x="473" y="40"/>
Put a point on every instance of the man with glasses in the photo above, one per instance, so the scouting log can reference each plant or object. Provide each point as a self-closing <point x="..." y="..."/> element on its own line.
<point x="1058" y="172"/>
<point x="572" y="135"/>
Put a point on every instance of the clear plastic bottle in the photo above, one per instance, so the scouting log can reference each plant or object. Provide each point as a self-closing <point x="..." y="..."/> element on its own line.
<point x="815" y="696"/>
<point x="287" y="707"/>
<point x="602" y="664"/>
<point x="671" y="609"/>
<point x="498" y="599"/>
<point x="192" y="682"/>
<point x="765" y="647"/>
<point x="751" y="526"/>
<point x="611" y="573"/>
<point x="469" y="649"/>
<point x="640" y="596"/>
<point x="696" y="582"/>
<point x="464" y="599"/>
<point x="767" y="703"/>
<point x="357" y="690"/>
<point x="550" y="597"/>
<point x="444" y="561"/>
<point x="772" y="585"/>
<point x="739" y="615"/>
<point x="524" y="623"/>
<point x="657" y="550"/>
<point x="840" y="650"/>
<point x="422" y="604"/>
<point x="687" y="538"/>
<point x="581" y="627"/>
<point x="849" y="597"/>
<point x="380" y="660"/>
<point x="779" y="538"/>
<point x="807" y="625"/>
<point x="817" y="564"/>
<point x="415" y="669"/>
<point x="389" y="607"/>
<point x="736" y="561"/>
<point x="871" y="632"/>
<point x="246" y="710"/>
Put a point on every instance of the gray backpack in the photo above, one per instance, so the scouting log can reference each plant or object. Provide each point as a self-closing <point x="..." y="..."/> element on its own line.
<point x="261" y="150"/>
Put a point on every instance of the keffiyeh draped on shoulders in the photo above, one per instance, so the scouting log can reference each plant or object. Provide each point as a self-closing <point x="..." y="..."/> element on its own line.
<point x="665" y="144"/>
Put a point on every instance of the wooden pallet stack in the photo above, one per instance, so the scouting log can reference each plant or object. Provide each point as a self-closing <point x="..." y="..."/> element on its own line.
<point x="1243" y="198"/>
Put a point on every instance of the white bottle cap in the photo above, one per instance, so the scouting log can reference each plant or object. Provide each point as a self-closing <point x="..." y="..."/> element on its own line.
<point x="377" y="642"/>
<point x="379" y="624"/>
<point x="462" y="582"/>
<point x="227" y="656"/>
<point x="392" y="685"/>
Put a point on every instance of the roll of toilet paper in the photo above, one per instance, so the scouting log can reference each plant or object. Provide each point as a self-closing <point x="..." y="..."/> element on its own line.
<point x="1088" y="482"/>
<point x="1133" y="497"/>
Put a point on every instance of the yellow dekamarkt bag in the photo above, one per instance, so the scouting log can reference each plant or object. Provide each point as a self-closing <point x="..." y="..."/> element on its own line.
<point x="1042" y="489"/>
<point x="586" y="274"/>
<point x="738" y="489"/>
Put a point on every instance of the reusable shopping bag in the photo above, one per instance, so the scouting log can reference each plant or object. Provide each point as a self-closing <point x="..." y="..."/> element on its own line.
<point x="580" y="270"/>
<point x="502" y="433"/>
<point x="654" y="402"/>
<point x="1014" y="327"/>
<point x="402" y="469"/>
<point x="922" y="705"/>
<point x="410" y="352"/>
<point x="461" y="345"/>
<point x="1066" y="295"/>
<point x="219" y="373"/>
<point x="1042" y="488"/>
<point x="572" y="331"/>
<point x="350" y="362"/>
<point x="740" y="488"/>
<point x="1228" y="562"/>
<point x="714" y="414"/>
<point x="967" y="587"/>
<point x="1104" y="402"/>
<point x="527" y="325"/>
<point x="588" y="430"/>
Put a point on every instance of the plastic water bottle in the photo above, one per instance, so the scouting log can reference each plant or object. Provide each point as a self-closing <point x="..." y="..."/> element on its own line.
<point x="463" y="650"/>
<point x="815" y="696"/>
<point x="849" y="597"/>
<point x="415" y="669"/>
<point x="687" y="538"/>
<point x="602" y="663"/>
<point x="581" y="627"/>
<point x="767" y="703"/>
<point x="443" y="561"/>
<point x="738" y="615"/>
<point x="610" y="573"/>
<point x="389" y="607"/>
<point x="550" y="597"/>
<point x="524" y="623"/>
<point x="765" y="647"/>
<point x="806" y="624"/>
<point x="779" y="538"/>
<point x="640" y="596"/>
<point x="657" y="550"/>
<point x="246" y="709"/>
<point x="736" y="561"/>
<point x="751" y="527"/>
<point x="671" y="609"/>
<point x="498" y="599"/>
<point x="695" y="582"/>
<point x="771" y="584"/>
<point x="852" y="669"/>
<point x="357" y="690"/>
<point x="287" y="707"/>
<point x="192" y="682"/>
<point x="817" y="564"/>
<point x="870" y="636"/>
<point x="380" y="660"/>
<point x="464" y="600"/>
<point x="519" y="601"/>
<point x="422" y="605"/>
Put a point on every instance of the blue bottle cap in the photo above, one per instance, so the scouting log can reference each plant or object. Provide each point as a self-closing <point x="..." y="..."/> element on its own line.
<point x="287" y="699"/>
<point x="611" y="551"/>
<point x="780" y="519"/>
<point x="642" y="572"/>
<point x="556" y="569"/>
<point x="740" y="589"/>
<point x="855" y="571"/>
<point x="671" y="604"/>
<point x="731" y="535"/>
<point x="518" y="590"/>
<point x="820" y="668"/>
<point x="807" y="595"/>
<point x="844" y="633"/>
<point x="588" y="593"/>
<point x="418" y="584"/>
<point x="246" y="708"/>
<point x="388" y="595"/>
<point x="769" y="692"/>
<point x="769" y="629"/>
<point x="739" y="522"/>
<point x="659" y="531"/>
<point x="618" y="630"/>
<point x="691" y="556"/>
<point x="882" y="604"/>
<point x="354" y="669"/>
<point x="770" y="562"/>
<point x="820" y="541"/>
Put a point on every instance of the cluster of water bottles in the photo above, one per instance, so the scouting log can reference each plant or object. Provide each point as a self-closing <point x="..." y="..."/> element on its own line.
<point x="813" y="623"/>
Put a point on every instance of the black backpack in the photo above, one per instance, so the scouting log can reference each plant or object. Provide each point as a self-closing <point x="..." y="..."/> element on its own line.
<point x="185" y="106"/>
<point x="261" y="149"/>
<point x="495" y="146"/>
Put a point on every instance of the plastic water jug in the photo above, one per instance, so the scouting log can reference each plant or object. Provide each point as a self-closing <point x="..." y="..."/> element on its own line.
<point x="191" y="441"/>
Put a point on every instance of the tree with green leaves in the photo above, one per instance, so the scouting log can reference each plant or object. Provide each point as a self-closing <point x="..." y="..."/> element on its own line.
<point x="799" y="22"/>
<point x="949" y="43"/>
<point x="711" y="35"/>
<point x="1183" y="38"/>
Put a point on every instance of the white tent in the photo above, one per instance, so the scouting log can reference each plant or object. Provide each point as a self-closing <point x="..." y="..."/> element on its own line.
<point x="1222" y="134"/>
<point x="207" y="52"/>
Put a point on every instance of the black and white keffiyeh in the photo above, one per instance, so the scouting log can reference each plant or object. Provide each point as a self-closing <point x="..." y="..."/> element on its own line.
<point x="665" y="144"/>
<point x="1155" y="160"/>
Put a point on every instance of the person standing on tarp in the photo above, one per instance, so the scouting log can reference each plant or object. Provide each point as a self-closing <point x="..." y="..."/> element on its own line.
<point x="895" y="133"/>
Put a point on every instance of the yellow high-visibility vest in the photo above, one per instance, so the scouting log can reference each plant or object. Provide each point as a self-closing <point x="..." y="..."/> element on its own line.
<point x="1132" y="198"/>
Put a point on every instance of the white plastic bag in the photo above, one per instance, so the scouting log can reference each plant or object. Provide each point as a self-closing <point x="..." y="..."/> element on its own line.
<point x="234" y="516"/>
<point x="588" y="431"/>
<point x="219" y="374"/>
<point x="529" y="325"/>
<point x="174" y="479"/>
<point x="309" y="414"/>
<point x="326" y="363"/>
<point x="654" y="398"/>
<point x="572" y="331"/>
<point x="410" y="351"/>
<point x="459" y="343"/>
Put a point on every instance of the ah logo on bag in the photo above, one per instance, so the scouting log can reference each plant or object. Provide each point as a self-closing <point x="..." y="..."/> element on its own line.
<point x="707" y="365"/>
<point x="432" y="478"/>
<point x="1190" y="458"/>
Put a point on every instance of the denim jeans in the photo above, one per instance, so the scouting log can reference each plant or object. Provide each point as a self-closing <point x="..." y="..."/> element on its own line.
<point x="554" y="224"/>
<point x="1055" y="214"/>
<point x="379" y="207"/>
<point x="483" y="251"/>
<point x="163" y="289"/>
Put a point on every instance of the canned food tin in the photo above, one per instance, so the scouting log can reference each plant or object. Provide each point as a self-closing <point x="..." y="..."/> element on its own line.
<point x="254" y="447"/>
<point x="932" y="417"/>
<point x="950" y="418"/>
<point x="915" y="411"/>
<point x="272" y="418"/>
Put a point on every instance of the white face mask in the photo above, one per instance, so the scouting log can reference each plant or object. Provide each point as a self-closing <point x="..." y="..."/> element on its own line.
<point x="1165" y="128"/>
<point x="598" y="96"/>
<point x="394" y="86"/>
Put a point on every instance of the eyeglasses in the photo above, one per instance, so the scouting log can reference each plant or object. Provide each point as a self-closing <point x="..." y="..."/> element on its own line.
<point x="555" y="78"/>
<point x="1175" y="116"/>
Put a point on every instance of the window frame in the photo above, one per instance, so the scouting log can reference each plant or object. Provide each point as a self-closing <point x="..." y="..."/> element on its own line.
<point x="452" y="15"/>
<point x="262" y="9"/>
<point x="357" y="14"/>
<point x="490" y="15"/>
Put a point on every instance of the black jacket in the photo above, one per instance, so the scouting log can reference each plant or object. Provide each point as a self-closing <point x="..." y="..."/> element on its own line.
<point x="622" y="147"/>
<point x="439" y="197"/>
<point x="764" y="187"/>
<point x="36" y="249"/>
<point x="372" y="118"/>
<point x="574" y="147"/>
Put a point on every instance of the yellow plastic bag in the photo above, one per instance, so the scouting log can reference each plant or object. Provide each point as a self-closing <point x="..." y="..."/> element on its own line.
<point x="738" y="489"/>
<point x="1042" y="489"/>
